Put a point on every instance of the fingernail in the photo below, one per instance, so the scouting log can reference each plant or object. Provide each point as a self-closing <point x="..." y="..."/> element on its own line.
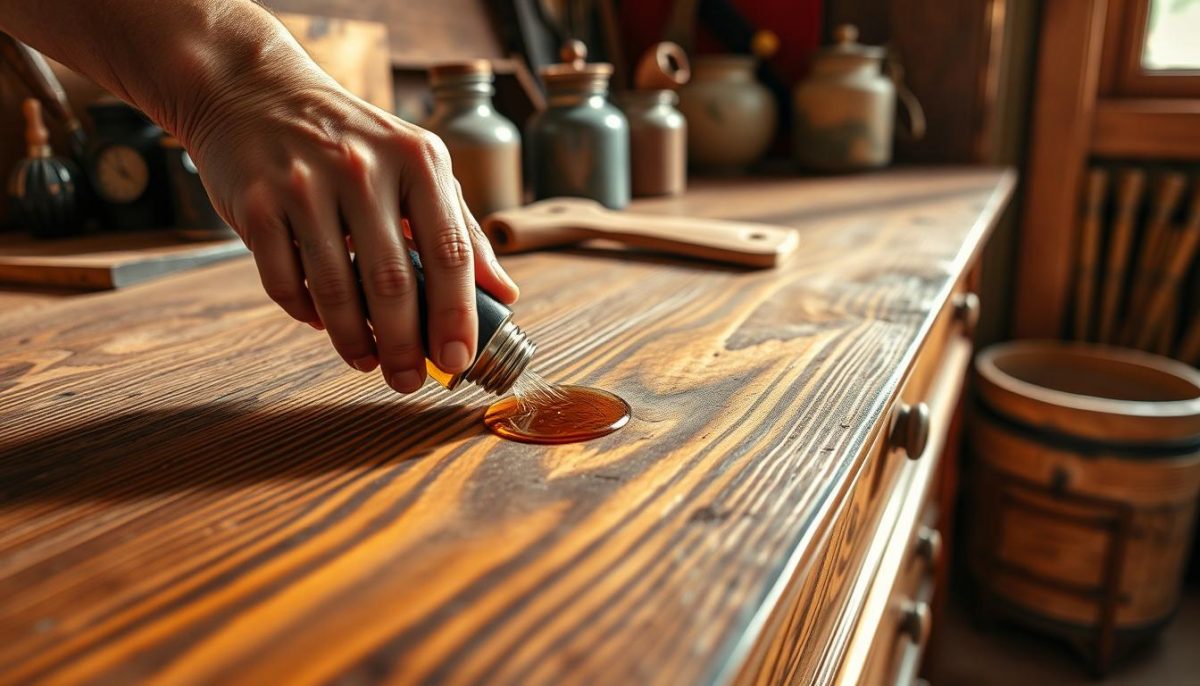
<point x="454" y="356"/>
<point x="407" y="382"/>
<point x="316" y="325"/>
<point x="365" y="364"/>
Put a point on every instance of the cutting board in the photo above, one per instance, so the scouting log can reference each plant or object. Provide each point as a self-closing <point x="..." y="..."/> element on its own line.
<point x="106" y="261"/>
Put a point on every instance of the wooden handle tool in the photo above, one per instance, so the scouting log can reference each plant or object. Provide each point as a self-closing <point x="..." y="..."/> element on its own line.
<point x="563" y="221"/>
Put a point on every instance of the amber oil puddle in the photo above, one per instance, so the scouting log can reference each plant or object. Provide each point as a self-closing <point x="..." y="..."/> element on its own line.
<point x="544" y="413"/>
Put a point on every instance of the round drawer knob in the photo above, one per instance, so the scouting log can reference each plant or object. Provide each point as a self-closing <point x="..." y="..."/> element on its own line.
<point x="929" y="544"/>
<point x="910" y="429"/>
<point x="966" y="312"/>
<point x="915" y="621"/>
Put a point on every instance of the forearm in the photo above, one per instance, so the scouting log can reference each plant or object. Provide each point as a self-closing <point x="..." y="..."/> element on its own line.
<point x="177" y="60"/>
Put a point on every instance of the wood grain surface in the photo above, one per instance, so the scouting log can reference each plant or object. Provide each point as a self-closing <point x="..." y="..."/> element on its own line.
<point x="193" y="488"/>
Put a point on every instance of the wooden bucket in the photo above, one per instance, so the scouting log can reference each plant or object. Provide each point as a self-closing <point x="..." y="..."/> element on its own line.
<point x="1087" y="474"/>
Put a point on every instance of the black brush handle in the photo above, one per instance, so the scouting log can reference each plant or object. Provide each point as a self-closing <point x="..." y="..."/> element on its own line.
<point x="491" y="312"/>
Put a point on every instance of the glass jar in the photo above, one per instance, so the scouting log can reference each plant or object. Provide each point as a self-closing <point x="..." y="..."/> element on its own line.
<point x="579" y="145"/>
<point x="485" y="147"/>
<point x="657" y="142"/>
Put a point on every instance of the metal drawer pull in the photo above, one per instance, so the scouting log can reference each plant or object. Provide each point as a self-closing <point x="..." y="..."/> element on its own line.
<point x="929" y="544"/>
<point x="915" y="621"/>
<point x="910" y="429"/>
<point x="966" y="312"/>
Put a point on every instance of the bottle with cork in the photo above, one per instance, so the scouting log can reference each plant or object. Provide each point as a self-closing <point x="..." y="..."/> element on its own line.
<point x="485" y="146"/>
<point x="579" y="145"/>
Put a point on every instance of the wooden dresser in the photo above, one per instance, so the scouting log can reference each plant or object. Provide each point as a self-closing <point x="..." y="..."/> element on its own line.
<point x="194" y="489"/>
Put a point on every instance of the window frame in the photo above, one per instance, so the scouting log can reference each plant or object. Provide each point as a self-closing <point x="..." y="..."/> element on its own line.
<point x="1122" y="73"/>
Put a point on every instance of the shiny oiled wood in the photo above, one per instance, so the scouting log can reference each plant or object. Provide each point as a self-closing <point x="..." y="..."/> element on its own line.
<point x="193" y="488"/>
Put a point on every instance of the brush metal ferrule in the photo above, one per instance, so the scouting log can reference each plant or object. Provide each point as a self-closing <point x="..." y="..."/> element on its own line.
<point x="500" y="362"/>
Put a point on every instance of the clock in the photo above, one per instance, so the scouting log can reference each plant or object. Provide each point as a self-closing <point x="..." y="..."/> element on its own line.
<point x="127" y="168"/>
<point x="122" y="174"/>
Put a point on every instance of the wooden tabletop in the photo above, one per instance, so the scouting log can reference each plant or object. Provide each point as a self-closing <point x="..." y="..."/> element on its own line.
<point x="195" y="488"/>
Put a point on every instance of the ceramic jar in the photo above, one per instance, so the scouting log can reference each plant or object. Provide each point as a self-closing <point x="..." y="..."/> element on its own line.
<point x="579" y="145"/>
<point x="731" y="117"/>
<point x="485" y="147"/>
<point x="658" y="142"/>
<point x="845" y="109"/>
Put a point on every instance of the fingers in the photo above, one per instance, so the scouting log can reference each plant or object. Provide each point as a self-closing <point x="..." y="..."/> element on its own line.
<point x="431" y="203"/>
<point x="488" y="272"/>
<point x="268" y="237"/>
<point x="313" y="214"/>
<point x="370" y="205"/>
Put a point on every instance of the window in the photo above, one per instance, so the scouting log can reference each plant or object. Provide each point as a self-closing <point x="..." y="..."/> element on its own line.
<point x="1172" y="36"/>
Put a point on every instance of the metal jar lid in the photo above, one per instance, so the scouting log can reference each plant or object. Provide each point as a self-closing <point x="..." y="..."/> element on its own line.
<point x="575" y="73"/>
<point x="846" y="44"/>
<point x="457" y="69"/>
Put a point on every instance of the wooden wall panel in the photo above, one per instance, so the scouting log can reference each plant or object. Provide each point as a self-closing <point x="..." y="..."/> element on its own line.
<point x="1067" y="76"/>
<point x="421" y="32"/>
<point x="951" y="56"/>
<point x="1161" y="129"/>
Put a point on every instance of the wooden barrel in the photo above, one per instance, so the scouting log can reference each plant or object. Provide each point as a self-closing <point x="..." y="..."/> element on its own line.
<point x="1087" y="472"/>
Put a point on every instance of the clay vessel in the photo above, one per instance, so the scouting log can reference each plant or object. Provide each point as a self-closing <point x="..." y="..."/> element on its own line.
<point x="731" y="116"/>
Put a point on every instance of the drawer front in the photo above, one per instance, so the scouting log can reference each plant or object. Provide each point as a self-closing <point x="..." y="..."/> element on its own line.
<point x="806" y="637"/>
<point x="903" y="633"/>
<point x="898" y="579"/>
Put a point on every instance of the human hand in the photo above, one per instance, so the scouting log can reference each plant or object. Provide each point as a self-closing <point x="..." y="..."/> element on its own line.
<point x="295" y="164"/>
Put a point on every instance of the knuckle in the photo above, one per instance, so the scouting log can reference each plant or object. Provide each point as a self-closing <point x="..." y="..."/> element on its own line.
<point x="477" y="235"/>
<point x="456" y="313"/>
<point x="298" y="186"/>
<point x="355" y="160"/>
<point x="391" y="278"/>
<point x="284" y="293"/>
<point x="424" y="147"/>
<point x="432" y="146"/>
<point x="452" y="250"/>
<point x="401" y="353"/>
<point x="332" y="290"/>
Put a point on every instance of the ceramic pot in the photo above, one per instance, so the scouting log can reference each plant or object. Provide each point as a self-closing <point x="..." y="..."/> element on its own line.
<point x="731" y="117"/>
<point x="845" y="110"/>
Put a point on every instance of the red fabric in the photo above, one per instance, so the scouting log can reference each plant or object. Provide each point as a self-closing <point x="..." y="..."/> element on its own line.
<point x="796" y="22"/>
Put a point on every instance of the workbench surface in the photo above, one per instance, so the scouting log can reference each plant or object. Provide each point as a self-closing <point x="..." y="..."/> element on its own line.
<point x="193" y="487"/>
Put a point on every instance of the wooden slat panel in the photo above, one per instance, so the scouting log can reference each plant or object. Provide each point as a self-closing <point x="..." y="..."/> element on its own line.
<point x="1067" y="75"/>
<point x="194" y="488"/>
<point x="421" y="32"/>
<point x="1155" y="129"/>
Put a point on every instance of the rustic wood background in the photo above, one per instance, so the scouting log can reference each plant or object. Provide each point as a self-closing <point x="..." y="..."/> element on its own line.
<point x="194" y="488"/>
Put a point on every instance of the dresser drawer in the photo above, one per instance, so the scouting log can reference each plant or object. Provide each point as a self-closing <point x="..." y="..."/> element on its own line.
<point x="818" y="617"/>
<point x="897" y="577"/>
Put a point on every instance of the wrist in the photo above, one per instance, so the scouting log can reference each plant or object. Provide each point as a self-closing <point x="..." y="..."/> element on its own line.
<point x="235" y="58"/>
